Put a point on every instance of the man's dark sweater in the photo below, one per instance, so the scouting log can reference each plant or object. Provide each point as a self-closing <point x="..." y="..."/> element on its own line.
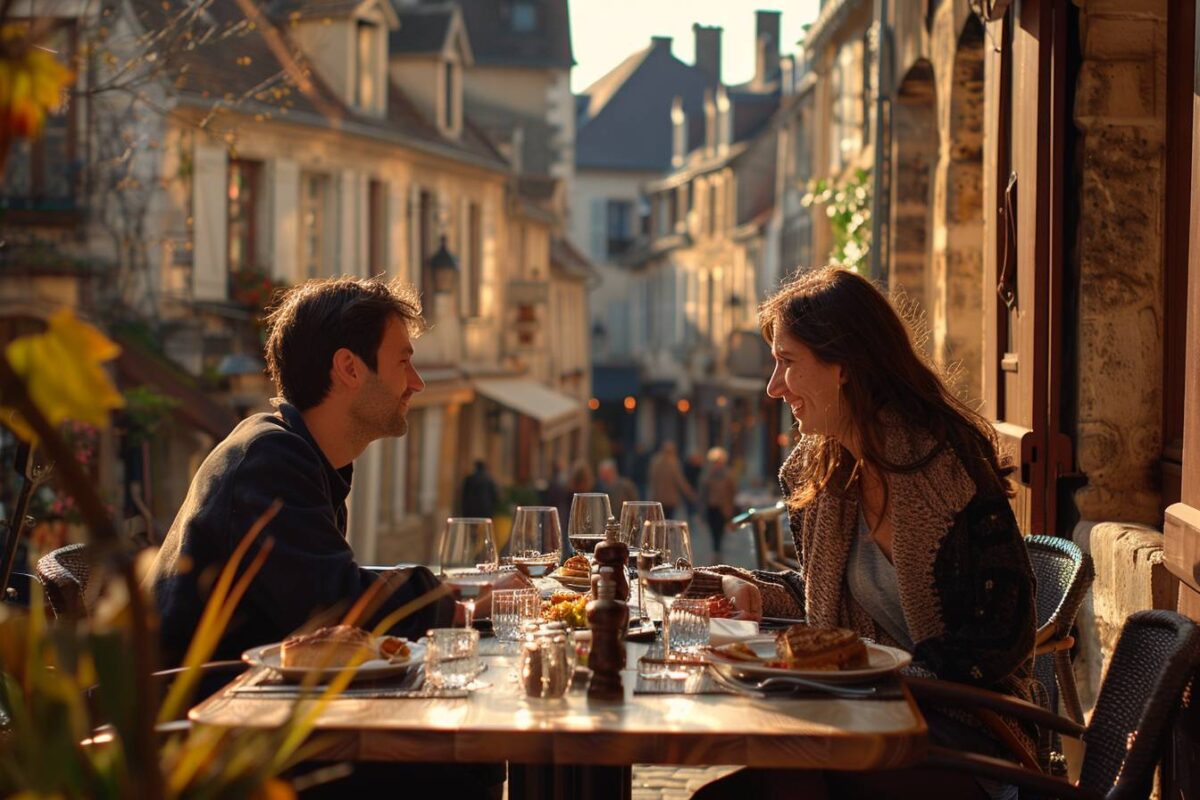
<point x="310" y="568"/>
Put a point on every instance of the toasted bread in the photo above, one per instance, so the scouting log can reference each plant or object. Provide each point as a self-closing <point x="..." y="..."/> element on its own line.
<point x="736" y="651"/>
<point x="576" y="566"/>
<point x="813" y="647"/>
<point x="327" y="648"/>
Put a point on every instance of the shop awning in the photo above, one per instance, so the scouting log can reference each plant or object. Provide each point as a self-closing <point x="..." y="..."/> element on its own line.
<point x="554" y="411"/>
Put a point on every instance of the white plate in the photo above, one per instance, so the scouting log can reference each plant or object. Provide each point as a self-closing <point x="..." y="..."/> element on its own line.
<point x="268" y="656"/>
<point x="581" y="584"/>
<point x="881" y="660"/>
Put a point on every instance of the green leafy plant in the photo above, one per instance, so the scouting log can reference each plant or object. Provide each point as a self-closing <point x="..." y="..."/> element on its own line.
<point x="848" y="207"/>
<point x="146" y="412"/>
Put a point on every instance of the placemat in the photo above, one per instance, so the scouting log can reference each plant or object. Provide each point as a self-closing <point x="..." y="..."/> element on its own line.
<point x="268" y="684"/>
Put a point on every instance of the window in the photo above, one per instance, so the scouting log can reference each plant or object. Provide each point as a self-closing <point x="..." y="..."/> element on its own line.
<point x="524" y="16"/>
<point x="367" y="89"/>
<point x="244" y="187"/>
<point x="377" y="228"/>
<point x="714" y="210"/>
<point x="43" y="174"/>
<point x="314" y="217"/>
<point x="448" y="100"/>
<point x="620" y="232"/>
<point x="425" y="232"/>
<point x="474" y="254"/>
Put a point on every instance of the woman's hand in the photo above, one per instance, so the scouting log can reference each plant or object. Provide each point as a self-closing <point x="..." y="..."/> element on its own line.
<point x="745" y="597"/>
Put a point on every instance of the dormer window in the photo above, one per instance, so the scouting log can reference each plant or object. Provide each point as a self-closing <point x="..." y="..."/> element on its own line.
<point x="448" y="100"/>
<point x="524" y="16"/>
<point x="369" y="66"/>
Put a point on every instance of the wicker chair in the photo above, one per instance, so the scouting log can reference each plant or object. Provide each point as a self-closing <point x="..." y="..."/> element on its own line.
<point x="1146" y="684"/>
<point x="1064" y="575"/>
<point x="64" y="573"/>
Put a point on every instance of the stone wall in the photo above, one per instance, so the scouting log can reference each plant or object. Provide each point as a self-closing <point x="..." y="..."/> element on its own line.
<point x="1130" y="576"/>
<point x="1120" y="108"/>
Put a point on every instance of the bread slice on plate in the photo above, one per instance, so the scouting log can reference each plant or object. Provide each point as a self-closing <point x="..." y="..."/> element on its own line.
<point x="817" y="648"/>
<point x="327" y="648"/>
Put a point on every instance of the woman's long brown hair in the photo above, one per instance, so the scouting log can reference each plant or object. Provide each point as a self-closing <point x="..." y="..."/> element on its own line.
<point x="845" y="320"/>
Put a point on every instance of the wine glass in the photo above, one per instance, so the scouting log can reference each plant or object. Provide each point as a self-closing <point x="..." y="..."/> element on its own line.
<point x="665" y="566"/>
<point x="589" y="514"/>
<point x="634" y="515"/>
<point x="536" y="543"/>
<point x="467" y="560"/>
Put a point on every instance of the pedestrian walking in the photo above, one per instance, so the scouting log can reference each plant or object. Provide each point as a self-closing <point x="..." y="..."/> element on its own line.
<point x="479" y="493"/>
<point x="717" y="489"/>
<point x="667" y="483"/>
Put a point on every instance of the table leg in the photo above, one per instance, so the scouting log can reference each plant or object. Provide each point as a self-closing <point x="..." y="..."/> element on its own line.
<point x="569" y="782"/>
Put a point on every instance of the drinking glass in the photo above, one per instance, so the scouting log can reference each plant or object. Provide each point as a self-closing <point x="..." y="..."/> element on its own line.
<point x="452" y="657"/>
<point x="467" y="560"/>
<point x="511" y="608"/>
<point x="536" y="541"/>
<point x="634" y="515"/>
<point x="689" y="625"/>
<point x="665" y="565"/>
<point x="589" y="514"/>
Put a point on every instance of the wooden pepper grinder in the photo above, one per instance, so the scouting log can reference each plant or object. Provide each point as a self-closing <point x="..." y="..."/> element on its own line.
<point x="608" y="619"/>
<point x="612" y="552"/>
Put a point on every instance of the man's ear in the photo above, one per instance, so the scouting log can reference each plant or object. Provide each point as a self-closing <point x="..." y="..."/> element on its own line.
<point x="348" y="369"/>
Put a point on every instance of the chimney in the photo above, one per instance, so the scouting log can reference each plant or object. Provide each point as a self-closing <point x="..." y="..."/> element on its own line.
<point x="766" y="47"/>
<point x="708" y="50"/>
<point x="661" y="43"/>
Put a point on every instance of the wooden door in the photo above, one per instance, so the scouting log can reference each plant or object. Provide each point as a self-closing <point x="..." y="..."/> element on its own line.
<point x="1023" y="260"/>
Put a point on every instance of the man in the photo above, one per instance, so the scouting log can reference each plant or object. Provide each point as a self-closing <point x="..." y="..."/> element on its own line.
<point x="479" y="494"/>
<point x="619" y="490"/>
<point x="341" y="356"/>
<point x="666" y="482"/>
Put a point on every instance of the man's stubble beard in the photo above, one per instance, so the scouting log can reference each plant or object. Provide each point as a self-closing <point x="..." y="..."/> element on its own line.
<point x="376" y="415"/>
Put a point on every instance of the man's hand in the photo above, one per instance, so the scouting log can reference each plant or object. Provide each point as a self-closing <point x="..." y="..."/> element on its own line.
<point x="744" y="595"/>
<point x="507" y="580"/>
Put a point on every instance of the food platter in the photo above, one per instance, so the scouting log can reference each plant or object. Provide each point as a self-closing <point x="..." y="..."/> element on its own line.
<point x="882" y="660"/>
<point x="578" y="582"/>
<point x="374" y="669"/>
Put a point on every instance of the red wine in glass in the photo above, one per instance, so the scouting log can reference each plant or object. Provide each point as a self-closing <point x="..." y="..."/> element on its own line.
<point x="667" y="581"/>
<point x="535" y="565"/>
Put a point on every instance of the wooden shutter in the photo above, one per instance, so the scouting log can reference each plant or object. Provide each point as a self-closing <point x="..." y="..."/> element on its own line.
<point x="209" y="223"/>
<point x="1024" y="252"/>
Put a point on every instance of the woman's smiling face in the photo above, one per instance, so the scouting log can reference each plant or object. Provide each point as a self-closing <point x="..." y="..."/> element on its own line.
<point x="809" y="386"/>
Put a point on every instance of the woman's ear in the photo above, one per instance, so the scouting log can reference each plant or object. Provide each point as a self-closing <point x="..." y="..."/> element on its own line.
<point x="842" y="377"/>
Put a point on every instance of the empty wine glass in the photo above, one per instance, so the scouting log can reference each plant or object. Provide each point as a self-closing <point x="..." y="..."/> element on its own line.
<point x="536" y="541"/>
<point x="467" y="560"/>
<point x="589" y="514"/>
<point x="634" y="515"/>
<point x="665" y="566"/>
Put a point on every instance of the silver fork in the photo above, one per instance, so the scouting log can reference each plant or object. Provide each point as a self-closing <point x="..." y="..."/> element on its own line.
<point x="758" y="688"/>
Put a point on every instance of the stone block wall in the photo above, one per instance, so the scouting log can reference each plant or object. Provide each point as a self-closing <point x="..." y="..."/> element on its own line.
<point x="1130" y="576"/>
<point x="1120" y="112"/>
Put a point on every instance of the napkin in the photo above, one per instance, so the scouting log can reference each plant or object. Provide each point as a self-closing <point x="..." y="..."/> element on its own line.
<point x="723" y="631"/>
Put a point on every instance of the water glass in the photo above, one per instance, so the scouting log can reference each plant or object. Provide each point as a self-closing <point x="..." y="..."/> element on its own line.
<point x="452" y="657"/>
<point x="511" y="608"/>
<point x="689" y="625"/>
<point x="466" y="556"/>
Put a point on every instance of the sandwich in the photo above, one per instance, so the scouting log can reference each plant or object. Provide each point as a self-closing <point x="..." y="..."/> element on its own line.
<point x="736" y="651"/>
<point x="813" y="647"/>
<point x="576" y="566"/>
<point x="328" y="648"/>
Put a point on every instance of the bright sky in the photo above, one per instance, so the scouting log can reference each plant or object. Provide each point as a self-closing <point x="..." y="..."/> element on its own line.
<point x="604" y="32"/>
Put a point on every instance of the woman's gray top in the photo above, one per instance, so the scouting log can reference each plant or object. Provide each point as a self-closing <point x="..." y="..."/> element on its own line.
<point x="872" y="581"/>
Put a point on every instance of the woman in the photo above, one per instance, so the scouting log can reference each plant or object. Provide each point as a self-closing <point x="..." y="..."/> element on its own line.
<point x="899" y="509"/>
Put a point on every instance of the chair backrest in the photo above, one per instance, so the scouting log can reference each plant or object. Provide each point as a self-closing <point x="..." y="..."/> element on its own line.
<point x="1064" y="575"/>
<point x="1155" y="657"/>
<point x="64" y="573"/>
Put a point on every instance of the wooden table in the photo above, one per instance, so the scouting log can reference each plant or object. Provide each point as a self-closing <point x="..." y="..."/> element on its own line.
<point x="499" y="724"/>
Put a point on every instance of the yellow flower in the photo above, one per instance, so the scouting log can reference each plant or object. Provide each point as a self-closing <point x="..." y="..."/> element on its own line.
<point x="31" y="83"/>
<point x="63" y="374"/>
